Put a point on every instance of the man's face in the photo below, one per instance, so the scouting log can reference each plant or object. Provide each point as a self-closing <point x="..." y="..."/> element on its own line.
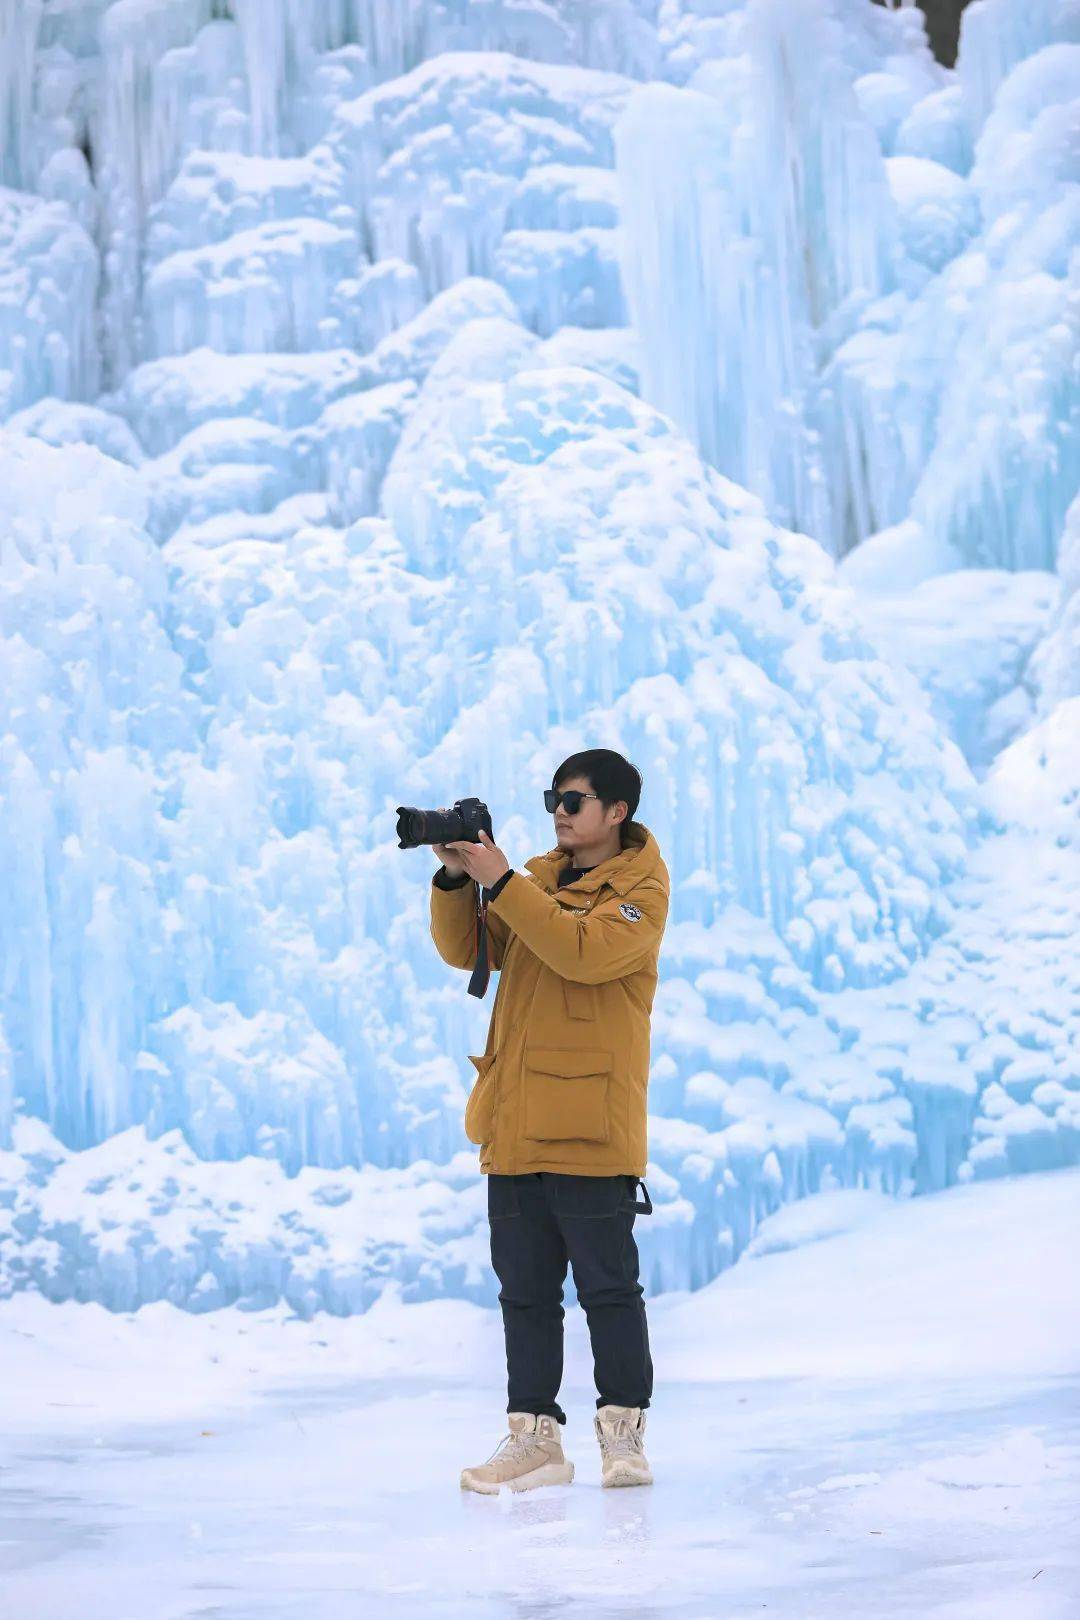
<point x="591" y="825"/>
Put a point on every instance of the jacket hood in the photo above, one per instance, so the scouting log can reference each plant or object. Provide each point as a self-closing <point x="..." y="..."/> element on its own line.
<point x="640" y="859"/>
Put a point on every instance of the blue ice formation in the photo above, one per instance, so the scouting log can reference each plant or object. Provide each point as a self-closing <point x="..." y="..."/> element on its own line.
<point x="398" y="396"/>
<point x="858" y="321"/>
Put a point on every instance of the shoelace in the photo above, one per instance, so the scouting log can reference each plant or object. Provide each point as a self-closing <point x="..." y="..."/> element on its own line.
<point x="514" y="1448"/>
<point x="625" y="1441"/>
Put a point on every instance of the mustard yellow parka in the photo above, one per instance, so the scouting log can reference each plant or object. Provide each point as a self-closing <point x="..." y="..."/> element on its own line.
<point x="562" y="1083"/>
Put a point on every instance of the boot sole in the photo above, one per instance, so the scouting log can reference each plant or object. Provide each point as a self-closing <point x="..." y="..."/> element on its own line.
<point x="625" y="1476"/>
<point x="549" y="1474"/>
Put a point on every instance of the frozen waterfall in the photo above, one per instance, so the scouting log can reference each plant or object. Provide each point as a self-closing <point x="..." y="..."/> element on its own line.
<point x="395" y="397"/>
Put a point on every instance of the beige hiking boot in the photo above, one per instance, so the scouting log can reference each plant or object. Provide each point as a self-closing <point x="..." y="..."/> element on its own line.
<point x="621" y="1433"/>
<point x="530" y="1455"/>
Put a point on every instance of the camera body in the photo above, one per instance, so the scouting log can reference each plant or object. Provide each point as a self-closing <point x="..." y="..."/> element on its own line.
<point x="464" y="821"/>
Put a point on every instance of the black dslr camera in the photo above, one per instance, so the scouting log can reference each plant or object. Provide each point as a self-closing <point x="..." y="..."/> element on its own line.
<point x="464" y="821"/>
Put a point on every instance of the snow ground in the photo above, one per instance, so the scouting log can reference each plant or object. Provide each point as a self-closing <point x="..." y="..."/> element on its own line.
<point x="880" y="1421"/>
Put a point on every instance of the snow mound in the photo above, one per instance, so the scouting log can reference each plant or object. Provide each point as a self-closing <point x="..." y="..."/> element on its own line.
<point x="812" y="1220"/>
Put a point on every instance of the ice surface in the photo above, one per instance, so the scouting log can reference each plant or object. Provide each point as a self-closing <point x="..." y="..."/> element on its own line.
<point x="881" y="1423"/>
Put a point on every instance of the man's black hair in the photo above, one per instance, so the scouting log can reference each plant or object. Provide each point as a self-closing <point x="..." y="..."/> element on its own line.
<point x="609" y="775"/>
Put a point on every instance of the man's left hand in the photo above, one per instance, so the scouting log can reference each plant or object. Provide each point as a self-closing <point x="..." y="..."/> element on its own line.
<point x="484" y="861"/>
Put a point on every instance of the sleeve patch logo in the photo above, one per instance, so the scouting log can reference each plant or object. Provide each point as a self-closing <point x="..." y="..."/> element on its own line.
<point x="631" y="913"/>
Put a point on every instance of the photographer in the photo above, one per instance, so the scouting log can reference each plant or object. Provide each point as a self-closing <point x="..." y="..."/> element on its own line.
<point x="558" y="1108"/>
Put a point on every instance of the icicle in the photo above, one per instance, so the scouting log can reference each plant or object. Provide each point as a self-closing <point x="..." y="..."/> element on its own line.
<point x="763" y="213"/>
<point x="264" y="27"/>
<point x="20" y="21"/>
<point x="7" y="1089"/>
<point x="394" y="33"/>
<point x="997" y="34"/>
<point x="138" y="150"/>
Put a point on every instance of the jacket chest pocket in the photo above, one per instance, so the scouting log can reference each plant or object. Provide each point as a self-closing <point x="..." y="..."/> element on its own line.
<point x="579" y="999"/>
<point x="566" y="1095"/>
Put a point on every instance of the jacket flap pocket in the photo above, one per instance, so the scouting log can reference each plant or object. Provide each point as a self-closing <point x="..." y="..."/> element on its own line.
<point x="557" y="1060"/>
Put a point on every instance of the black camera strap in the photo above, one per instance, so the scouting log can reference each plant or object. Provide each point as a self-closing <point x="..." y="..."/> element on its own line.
<point x="481" y="972"/>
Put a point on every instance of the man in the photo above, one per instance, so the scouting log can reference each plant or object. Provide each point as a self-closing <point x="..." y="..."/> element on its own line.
<point x="558" y="1108"/>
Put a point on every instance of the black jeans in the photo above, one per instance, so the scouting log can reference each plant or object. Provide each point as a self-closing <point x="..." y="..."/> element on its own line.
<point x="539" y="1222"/>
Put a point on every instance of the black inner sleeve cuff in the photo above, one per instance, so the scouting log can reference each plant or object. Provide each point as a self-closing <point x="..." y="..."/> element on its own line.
<point x="498" y="886"/>
<point x="443" y="880"/>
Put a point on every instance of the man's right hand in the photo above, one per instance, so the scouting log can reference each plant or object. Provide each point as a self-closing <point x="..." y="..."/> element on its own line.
<point x="447" y="856"/>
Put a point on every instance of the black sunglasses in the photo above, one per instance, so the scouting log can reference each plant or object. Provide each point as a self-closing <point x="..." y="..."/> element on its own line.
<point x="571" y="800"/>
